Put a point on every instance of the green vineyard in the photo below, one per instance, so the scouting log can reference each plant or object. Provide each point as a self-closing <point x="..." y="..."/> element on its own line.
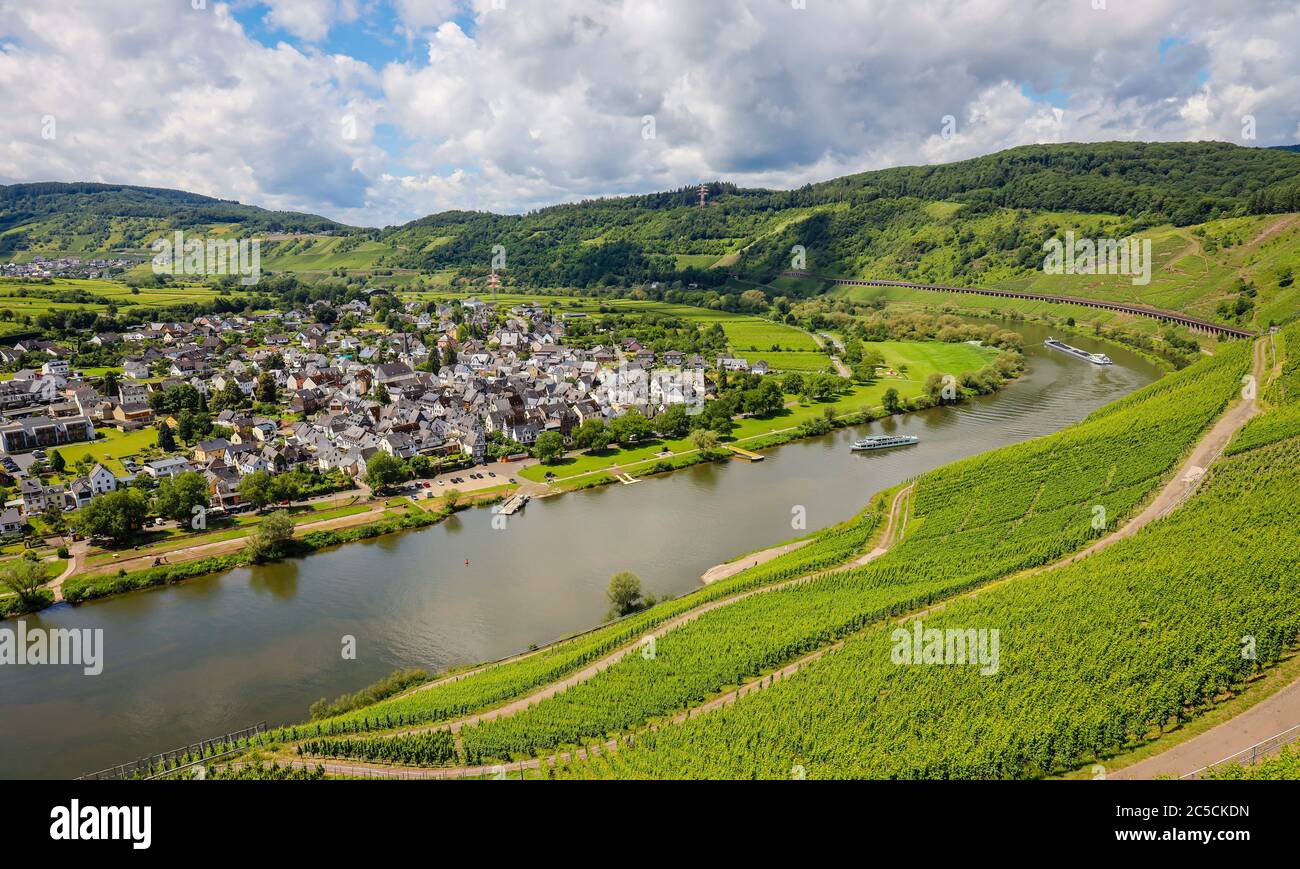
<point x="977" y="520"/>
<point x="431" y="748"/>
<point x="1095" y="657"/>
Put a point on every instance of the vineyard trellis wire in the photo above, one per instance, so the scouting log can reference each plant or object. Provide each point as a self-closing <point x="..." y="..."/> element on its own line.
<point x="169" y="760"/>
<point x="1252" y="755"/>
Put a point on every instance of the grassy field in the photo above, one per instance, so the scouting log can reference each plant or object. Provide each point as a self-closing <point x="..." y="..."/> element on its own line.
<point x="321" y="253"/>
<point x="801" y="361"/>
<point x="111" y="447"/>
<point x="12" y="296"/>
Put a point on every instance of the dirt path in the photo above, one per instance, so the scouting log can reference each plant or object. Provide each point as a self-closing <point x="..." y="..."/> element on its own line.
<point x="731" y="568"/>
<point x="75" y="564"/>
<point x="1192" y="472"/>
<point x="1280" y="225"/>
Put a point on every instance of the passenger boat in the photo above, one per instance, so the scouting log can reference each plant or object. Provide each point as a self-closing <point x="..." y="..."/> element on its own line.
<point x="885" y="442"/>
<point x="1094" y="358"/>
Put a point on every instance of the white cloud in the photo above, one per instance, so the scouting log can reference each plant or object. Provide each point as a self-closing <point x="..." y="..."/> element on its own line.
<point x="541" y="102"/>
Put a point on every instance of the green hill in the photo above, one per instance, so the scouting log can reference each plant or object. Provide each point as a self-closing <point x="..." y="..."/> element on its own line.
<point x="98" y="218"/>
<point x="1210" y="208"/>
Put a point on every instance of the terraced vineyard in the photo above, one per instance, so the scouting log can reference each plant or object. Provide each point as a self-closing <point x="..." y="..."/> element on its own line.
<point x="1094" y="657"/>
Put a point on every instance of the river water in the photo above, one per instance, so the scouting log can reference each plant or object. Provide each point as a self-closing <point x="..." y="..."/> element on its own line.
<point x="261" y="644"/>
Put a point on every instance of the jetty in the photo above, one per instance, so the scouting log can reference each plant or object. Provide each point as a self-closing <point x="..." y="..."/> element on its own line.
<point x="514" y="505"/>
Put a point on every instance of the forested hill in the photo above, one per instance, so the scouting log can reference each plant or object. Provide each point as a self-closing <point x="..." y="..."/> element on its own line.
<point x="975" y="221"/>
<point x="844" y="224"/>
<point x="102" y="217"/>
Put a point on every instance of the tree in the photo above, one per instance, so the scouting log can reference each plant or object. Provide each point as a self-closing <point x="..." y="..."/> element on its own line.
<point x="716" y="416"/>
<point x="166" y="440"/>
<point x="380" y="394"/>
<point x="383" y="471"/>
<point x="673" y="422"/>
<point x="269" y="540"/>
<point x="255" y="489"/>
<point x="630" y="428"/>
<point x="111" y="385"/>
<point x="891" y="402"/>
<point x="549" y="447"/>
<point x="57" y="463"/>
<point x="624" y="594"/>
<point x="706" y="441"/>
<point x="765" y="400"/>
<point x="266" y="390"/>
<point x="118" y="515"/>
<point x="285" y="487"/>
<point x="177" y="497"/>
<point x="229" y="397"/>
<point x="23" y="578"/>
<point x="592" y="436"/>
<point x="452" y="499"/>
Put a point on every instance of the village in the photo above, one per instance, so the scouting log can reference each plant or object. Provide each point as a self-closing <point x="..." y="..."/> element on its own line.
<point x="458" y="384"/>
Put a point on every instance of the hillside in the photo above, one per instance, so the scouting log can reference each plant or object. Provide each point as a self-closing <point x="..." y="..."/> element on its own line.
<point x="95" y="218"/>
<point x="1211" y="210"/>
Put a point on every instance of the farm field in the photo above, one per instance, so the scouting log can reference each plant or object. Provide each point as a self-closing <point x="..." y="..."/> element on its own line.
<point x="322" y="253"/>
<point x="12" y="298"/>
<point x="803" y="362"/>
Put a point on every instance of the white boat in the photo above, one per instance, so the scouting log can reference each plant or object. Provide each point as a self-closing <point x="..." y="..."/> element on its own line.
<point x="885" y="442"/>
<point x="1094" y="358"/>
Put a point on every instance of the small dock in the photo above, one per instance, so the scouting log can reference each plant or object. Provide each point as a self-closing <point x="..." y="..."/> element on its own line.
<point x="514" y="505"/>
<point x="745" y="454"/>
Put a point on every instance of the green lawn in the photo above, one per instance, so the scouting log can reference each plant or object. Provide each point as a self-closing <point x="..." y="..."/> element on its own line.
<point x="111" y="447"/>
<point x="923" y="358"/>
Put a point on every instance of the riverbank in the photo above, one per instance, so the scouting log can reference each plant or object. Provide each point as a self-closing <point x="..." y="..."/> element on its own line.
<point x="216" y="557"/>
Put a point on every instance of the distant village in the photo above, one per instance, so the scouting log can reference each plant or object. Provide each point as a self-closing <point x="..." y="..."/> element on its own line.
<point x="459" y="382"/>
<point x="66" y="267"/>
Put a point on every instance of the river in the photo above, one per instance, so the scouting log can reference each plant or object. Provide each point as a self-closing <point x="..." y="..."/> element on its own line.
<point x="261" y="644"/>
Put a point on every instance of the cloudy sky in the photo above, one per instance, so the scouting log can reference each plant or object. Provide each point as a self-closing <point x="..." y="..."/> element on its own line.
<point x="379" y="111"/>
